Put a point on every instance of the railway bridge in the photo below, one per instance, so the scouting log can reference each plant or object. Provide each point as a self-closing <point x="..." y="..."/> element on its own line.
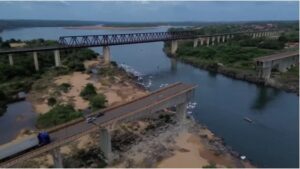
<point x="105" y="41"/>
<point x="177" y="94"/>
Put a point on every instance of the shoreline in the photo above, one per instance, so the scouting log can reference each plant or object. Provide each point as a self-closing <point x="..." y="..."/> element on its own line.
<point x="101" y="27"/>
<point x="250" y="78"/>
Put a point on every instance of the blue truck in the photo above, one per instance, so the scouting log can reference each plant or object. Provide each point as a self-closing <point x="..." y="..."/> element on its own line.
<point x="18" y="146"/>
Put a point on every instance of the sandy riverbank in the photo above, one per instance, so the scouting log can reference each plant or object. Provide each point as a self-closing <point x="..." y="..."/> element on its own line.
<point x="118" y="90"/>
<point x="186" y="145"/>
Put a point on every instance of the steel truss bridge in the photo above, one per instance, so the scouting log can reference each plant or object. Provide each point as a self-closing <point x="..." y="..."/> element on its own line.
<point x="84" y="41"/>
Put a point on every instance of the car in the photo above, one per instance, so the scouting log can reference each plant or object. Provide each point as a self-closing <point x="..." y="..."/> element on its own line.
<point x="90" y="119"/>
<point x="99" y="114"/>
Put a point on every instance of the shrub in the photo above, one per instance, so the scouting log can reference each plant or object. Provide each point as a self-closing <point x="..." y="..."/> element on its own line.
<point x="98" y="101"/>
<point x="51" y="101"/>
<point x="271" y="44"/>
<point x="65" y="87"/>
<point x="88" y="91"/>
<point x="59" y="114"/>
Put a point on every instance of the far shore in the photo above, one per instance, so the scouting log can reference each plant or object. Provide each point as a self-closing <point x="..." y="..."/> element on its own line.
<point x="101" y="27"/>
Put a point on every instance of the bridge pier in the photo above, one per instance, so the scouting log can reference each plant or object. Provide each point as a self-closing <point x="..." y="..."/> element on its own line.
<point x="57" y="159"/>
<point x="213" y="41"/>
<point x="36" y="62"/>
<point x="223" y="38"/>
<point x="174" y="46"/>
<point x="181" y="111"/>
<point x="218" y="39"/>
<point x="57" y="58"/>
<point x="106" y="54"/>
<point x="10" y="59"/>
<point x="264" y="69"/>
<point x="201" y="41"/>
<point x="207" y="41"/>
<point x="228" y="37"/>
<point x="195" y="43"/>
<point x="105" y="144"/>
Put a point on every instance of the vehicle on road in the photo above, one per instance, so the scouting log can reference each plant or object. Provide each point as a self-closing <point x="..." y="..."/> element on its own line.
<point x="17" y="147"/>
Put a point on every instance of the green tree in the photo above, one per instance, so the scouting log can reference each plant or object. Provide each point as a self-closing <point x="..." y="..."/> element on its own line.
<point x="98" y="101"/>
<point x="88" y="91"/>
<point x="59" y="114"/>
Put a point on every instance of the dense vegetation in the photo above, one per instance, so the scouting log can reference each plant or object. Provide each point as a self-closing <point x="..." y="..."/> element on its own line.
<point x="59" y="114"/>
<point x="97" y="101"/>
<point x="88" y="91"/>
<point x="22" y="74"/>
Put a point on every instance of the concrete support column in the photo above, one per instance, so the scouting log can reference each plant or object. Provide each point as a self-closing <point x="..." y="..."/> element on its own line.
<point x="195" y="43"/>
<point x="106" y="54"/>
<point x="57" y="58"/>
<point x="201" y="41"/>
<point x="57" y="159"/>
<point x="223" y="38"/>
<point x="181" y="111"/>
<point x="105" y="144"/>
<point x="228" y="37"/>
<point x="213" y="41"/>
<point x="10" y="59"/>
<point x="218" y="39"/>
<point x="264" y="69"/>
<point x="174" y="46"/>
<point x="36" y="62"/>
<point x="207" y="41"/>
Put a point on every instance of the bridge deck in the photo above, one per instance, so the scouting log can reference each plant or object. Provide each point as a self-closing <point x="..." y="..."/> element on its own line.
<point x="277" y="56"/>
<point x="72" y="132"/>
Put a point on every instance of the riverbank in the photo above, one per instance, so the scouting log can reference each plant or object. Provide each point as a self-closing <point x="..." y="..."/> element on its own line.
<point x="288" y="85"/>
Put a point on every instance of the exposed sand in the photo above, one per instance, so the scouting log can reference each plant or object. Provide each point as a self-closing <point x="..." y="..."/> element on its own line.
<point x="187" y="154"/>
<point x="116" y="92"/>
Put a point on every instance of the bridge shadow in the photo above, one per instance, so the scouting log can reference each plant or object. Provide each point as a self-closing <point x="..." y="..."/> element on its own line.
<point x="264" y="96"/>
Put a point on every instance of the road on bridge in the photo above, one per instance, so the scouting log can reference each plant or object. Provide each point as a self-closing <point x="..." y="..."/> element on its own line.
<point x="72" y="132"/>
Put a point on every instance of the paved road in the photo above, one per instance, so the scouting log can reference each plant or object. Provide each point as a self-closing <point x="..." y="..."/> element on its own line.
<point x="72" y="132"/>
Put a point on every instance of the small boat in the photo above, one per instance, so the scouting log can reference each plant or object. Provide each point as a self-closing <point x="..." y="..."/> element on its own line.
<point x="248" y="119"/>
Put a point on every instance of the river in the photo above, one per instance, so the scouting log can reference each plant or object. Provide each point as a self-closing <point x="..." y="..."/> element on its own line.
<point x="270" y="141"/>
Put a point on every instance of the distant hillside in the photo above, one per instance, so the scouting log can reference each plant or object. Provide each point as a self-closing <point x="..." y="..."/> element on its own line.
<point x="11" y="24"/>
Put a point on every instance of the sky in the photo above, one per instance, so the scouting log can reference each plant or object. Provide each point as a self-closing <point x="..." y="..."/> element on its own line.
<point x="147" y="11"/>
